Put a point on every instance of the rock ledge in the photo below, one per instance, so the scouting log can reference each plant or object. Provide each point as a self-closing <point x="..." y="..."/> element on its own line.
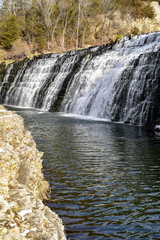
<point x="22" y="186"/>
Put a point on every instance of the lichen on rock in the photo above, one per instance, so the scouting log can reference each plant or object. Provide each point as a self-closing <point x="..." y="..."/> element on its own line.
<point x="22" y="185"/>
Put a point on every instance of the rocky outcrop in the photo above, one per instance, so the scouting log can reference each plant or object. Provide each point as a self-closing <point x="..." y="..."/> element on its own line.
<point x="22" y="186"/>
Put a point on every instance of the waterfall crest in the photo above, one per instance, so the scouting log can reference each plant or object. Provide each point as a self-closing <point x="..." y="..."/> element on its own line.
<point x="119" y="82"/>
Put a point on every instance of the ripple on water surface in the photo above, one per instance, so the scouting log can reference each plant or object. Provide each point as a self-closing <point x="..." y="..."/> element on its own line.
<point x="104" y="177"/>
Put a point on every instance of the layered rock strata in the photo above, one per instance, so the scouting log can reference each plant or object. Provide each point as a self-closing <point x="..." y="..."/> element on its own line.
<point x="22" y="186"/>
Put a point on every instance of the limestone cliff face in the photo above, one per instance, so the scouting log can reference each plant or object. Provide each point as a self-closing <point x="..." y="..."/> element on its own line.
<point x="22" y="186"/>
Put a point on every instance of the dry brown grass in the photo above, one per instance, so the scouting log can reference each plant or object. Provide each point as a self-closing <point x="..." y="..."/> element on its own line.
<point x="3" y="54"/>
<point x="19" y="50"/>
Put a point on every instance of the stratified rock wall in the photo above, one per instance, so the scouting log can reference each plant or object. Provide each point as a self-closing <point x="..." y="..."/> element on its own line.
<point x="22" y="186"/>
<point x="118" y="82"/>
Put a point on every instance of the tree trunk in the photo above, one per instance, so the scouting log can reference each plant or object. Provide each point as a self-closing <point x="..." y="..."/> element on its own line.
<point x="78" y="25"/>
<point x="63" y="36"/>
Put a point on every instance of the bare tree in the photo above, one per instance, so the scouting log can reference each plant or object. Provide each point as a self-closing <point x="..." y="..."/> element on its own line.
<point x="82" y="9"/>
<point x="108" y="8"/>
<point x="48" y="17"/>
<point x="67" y="15"/>
<point x="13" y="7"/>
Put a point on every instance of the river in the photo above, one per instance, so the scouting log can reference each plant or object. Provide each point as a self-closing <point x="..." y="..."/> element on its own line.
<point x="104" y="177"/>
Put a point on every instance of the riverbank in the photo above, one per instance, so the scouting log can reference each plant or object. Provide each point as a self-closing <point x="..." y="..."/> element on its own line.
<point x="22" y="187"/>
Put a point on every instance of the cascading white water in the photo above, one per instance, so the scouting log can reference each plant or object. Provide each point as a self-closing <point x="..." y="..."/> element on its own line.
<point x="93" y="88"/>
<point x="119" y="82"/>
<point x="90" y="92"/>
<point x="55" y="86"/>
<point x="27" y="81"/>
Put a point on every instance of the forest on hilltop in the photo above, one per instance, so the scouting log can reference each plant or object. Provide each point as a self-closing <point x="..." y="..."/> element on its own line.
<point x="47" y="25"/>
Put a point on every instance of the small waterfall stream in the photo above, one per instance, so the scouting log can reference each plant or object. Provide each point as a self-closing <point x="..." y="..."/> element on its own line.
<point x="119" y="82"/>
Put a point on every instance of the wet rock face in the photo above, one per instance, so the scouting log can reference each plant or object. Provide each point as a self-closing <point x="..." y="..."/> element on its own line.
<point x="22" y="186"/>
<point x="118" y="82"/>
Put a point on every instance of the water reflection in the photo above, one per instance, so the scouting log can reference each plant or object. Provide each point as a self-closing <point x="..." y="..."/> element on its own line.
<point x="104" y="177"/>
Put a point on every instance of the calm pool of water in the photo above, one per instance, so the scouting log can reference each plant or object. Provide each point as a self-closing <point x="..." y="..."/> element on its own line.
<point x="105" y="178"/>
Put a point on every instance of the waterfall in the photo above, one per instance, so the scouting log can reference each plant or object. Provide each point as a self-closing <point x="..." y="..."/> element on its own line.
<point x="120" y="82"/>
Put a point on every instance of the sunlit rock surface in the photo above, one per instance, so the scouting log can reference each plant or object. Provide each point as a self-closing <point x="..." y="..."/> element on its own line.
<point x="22" y="186"/>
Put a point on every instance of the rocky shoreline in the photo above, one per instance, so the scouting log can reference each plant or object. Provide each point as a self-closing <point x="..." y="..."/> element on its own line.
<point x="22" y="186"/>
